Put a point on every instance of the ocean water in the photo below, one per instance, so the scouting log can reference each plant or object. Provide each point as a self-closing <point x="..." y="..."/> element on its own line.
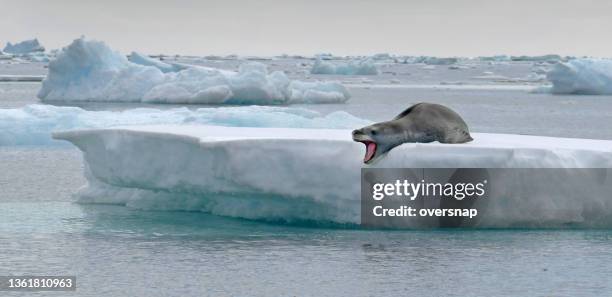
<point x="117" y="251"/>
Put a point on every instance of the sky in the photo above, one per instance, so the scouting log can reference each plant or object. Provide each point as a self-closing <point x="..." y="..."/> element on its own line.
<point x="307" y="27"/>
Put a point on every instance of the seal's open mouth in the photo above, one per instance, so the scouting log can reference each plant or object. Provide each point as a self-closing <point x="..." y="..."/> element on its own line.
<point x="370" y="150"/>
<point x="370" y="145"/>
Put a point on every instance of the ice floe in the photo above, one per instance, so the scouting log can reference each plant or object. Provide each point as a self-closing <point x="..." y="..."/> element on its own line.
<point x="458" y="67"/>
<point x="91" y="71"/>
<point x="438" y="61"/>
<point x="358" y="67"/>
<point x="305" y="174"/>
<point x="37" y="57"/>
<point x="23" y="78"/>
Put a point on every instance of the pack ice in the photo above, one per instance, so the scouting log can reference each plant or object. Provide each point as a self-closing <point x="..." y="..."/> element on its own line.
<point x="285" y="174"/>
<point x="91" y="71"/>
<point x="588" y="76"/>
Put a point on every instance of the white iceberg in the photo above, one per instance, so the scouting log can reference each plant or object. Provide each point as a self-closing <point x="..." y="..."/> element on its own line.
<point x="33" y="124"/>
<point x="24" y="47"/>
<point x="313" y="175"/>
<point x="91" y="71"/>
<point x="588" y="76"/>
<point x="360" y="67"/>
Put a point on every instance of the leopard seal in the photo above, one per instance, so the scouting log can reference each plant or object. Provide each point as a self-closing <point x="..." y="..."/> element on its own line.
<point x="422" y="122"/>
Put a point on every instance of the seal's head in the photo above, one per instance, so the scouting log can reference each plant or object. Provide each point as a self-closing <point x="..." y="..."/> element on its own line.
<point x="379" y="139"/>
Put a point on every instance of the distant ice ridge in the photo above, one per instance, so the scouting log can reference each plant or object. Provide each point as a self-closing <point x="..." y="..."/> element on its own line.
<point x="429" y="60"/>
<point x="24" y="47"/>
<point x="382" y="57"/>
<point x="361" y="67"/>
<point x="91" y="71"/>
<point x="588" y="76"/>
<point x="496" y="58"/>
<point x="544" y="58"/>
<point x="439" y="61"/>
<point x="277" y="174"/>
<point x="33" y="124"/>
